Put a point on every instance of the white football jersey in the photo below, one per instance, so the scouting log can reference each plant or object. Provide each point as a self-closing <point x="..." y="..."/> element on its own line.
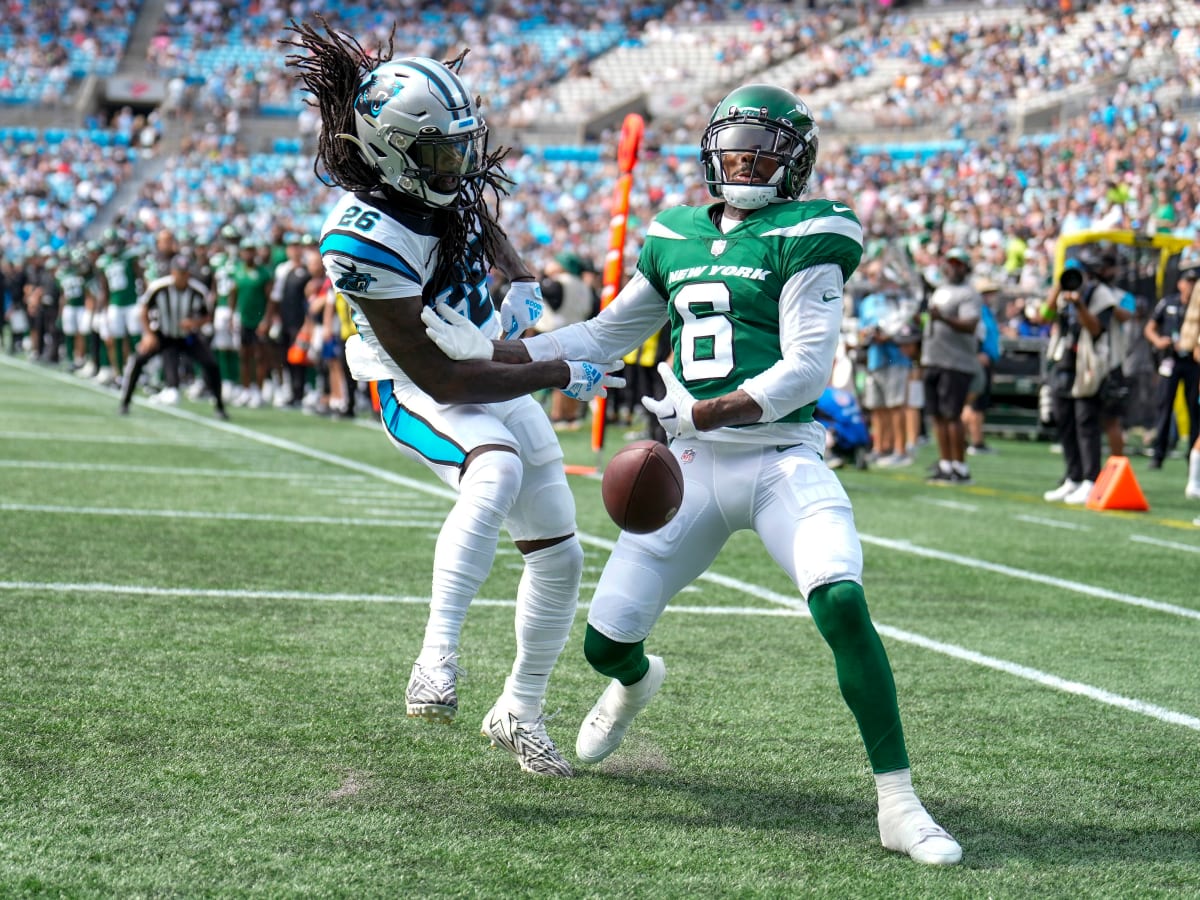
<point x="376" y="251"/>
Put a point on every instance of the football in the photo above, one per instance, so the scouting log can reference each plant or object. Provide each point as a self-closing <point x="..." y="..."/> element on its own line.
<point x="642" y="487"/>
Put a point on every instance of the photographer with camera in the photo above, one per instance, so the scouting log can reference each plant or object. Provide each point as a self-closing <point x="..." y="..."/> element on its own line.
<point x="1078" y="363"/>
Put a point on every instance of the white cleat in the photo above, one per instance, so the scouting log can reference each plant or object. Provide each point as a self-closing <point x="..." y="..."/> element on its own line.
<point x="432" y="691"/>
<point x="528" y="742"/>
<point x="604" y="728"/>
<point x="908" y="828"/>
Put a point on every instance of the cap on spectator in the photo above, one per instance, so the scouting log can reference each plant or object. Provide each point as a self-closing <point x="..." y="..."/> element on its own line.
<point x="959" y="255"/>
<point x="1191" y="273"/>
<point x="180" y="263"/>
<point x="571" y="262"/>
<point x="986" y="286"/>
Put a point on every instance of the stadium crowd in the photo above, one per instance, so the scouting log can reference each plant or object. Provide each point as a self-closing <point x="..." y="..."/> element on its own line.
<point x="1127" y="160"/>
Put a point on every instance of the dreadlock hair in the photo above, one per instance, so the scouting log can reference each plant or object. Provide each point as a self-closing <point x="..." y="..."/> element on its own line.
<point x="331" y="68"/>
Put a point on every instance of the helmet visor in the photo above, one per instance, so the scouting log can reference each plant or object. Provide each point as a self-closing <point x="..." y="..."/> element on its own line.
<point x="748" y="137"/>
<point x="443" y="162"/>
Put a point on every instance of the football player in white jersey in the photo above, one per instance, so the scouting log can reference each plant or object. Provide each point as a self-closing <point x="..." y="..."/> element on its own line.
<point x="404" y="139"/>
<point x="752" y="289"/>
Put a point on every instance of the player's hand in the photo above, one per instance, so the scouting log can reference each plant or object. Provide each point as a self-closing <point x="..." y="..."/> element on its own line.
<point x="674" y="411"/>
<point x="521" y="307"/>
<point x="590" y="380"/>
<point x="454" y="333"/>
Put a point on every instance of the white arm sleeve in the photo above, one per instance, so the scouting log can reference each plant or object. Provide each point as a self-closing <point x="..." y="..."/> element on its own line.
<point x="633" y="316"/>
<point x="809" y="331"/>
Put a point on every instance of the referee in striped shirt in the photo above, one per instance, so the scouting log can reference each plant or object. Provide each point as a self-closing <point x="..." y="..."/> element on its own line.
<point x="174" y="308"/>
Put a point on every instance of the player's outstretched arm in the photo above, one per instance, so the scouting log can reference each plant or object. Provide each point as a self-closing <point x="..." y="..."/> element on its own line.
<point x="400" y="330"/>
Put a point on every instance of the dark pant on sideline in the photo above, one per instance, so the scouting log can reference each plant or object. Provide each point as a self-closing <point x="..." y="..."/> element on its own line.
<point x="192" y="347"/>
<point x="1079" y="429"/>
<point x="1186" y="372"/>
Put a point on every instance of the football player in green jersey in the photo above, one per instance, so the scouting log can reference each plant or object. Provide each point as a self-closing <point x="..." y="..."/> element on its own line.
<point x="751" y="287"/>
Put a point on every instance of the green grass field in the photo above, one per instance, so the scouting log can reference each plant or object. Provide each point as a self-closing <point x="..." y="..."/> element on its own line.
<point x="206" y="630"/>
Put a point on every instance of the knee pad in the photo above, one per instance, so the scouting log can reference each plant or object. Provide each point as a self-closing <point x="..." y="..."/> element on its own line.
<point x="561" y="561"/>
<point x="546" y="507"/>
<point x="493" y="481"/>
<point x="839" y="611"/>
<point x="625" y="662"/>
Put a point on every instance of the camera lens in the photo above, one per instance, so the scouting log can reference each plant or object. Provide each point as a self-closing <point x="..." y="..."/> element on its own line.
<point x="1070" y="279"/>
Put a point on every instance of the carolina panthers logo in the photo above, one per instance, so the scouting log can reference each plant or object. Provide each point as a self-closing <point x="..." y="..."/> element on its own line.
<point x="372" y="96"/>
<point x="354" y="281"/>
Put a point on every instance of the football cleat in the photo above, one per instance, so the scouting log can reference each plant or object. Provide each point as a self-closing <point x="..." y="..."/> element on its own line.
<point x="604" y="728"/>
<point x="432" y="692"/>
<point x="528" y="742"/>
<point x="908" y="828"/>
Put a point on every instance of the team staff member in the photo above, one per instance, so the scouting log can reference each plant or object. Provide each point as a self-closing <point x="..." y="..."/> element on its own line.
<point x="1177" y="365"/>
<point x="173" y="310"/>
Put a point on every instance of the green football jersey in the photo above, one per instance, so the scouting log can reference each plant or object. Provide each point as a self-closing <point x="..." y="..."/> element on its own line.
<point x="71" y="283"/>
<point x="121" y="274"/>
<point x="723" y="289"/>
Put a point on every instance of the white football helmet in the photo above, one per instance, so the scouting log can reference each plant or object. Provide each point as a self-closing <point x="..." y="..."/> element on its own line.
<point x="418" y="126"/>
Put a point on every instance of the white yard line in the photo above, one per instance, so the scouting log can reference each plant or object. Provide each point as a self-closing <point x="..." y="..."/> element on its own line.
<point x="53" y="437"/>
<point x="173" y="471"/>
<point x="1051" y="523"/>
<point x="1064" y="584"/>
<point x="950" y="504"/>
<point x="1170" y="545"/>
<point x="791" y="602"/>
<point x="216" y="516"/>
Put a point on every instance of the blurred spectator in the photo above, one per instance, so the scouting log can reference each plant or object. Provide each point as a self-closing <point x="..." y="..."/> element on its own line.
<point x="568" y="300"/>
<point x="979" y="394"/>
<point x="948" y="356"/>
<point x="883" y="315"/>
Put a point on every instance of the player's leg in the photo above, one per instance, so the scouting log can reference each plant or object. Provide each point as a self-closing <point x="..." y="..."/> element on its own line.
<point x="640" y="577"/>
<point x="542" y="525"/>
<point x="202" y="354"/>
<point x="807" y="526"/>
<point x="443" y="438"/>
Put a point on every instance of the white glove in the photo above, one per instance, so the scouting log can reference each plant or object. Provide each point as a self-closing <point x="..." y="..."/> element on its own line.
<point x="589" y="380"/>
<point x="521" y="307"/>
<point x="455" y="334"/>
<point x="674" y="411"/>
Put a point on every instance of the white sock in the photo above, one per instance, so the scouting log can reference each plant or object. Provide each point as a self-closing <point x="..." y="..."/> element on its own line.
<point x="895" y="789"/>
<point x="959" y="467"/>
<point x="546" y="601"/>
<point x="1194" y="469"/>
<point x="946" y="466"/>
<point x="466" y="545"/>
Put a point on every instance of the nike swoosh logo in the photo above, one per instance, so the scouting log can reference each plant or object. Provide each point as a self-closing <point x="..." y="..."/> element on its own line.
<point x="830" y="297"/>
<point x="838" y="208"/>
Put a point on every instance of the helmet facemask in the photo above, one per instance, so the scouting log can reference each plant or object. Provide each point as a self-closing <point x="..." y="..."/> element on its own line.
<point x="760" y="147"/>
<point x="419" y="129"/>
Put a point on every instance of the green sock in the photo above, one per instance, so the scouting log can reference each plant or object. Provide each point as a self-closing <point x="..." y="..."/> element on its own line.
<point x="863" y="671"/>
<point x="625" y="662"/>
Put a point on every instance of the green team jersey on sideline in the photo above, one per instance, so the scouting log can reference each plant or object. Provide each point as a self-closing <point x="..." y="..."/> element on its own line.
<point x="71" y="283"/>
<point x="252" y="283"/>
<point x="121" y="275"/>
<point x="223" y="280"/>
<point x="723" y="289"/>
